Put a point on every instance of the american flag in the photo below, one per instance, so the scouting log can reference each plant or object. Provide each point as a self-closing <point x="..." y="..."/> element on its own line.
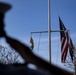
<point x="64" y="41"/>
<point x="71" y="48"/>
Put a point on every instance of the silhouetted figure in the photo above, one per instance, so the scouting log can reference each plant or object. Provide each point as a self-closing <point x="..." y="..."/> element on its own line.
<point x="20" y="69"/>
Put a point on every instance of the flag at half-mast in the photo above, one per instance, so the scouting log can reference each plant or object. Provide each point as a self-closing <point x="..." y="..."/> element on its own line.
<point x="32" y="43"/>
<point x="64" y="41"/>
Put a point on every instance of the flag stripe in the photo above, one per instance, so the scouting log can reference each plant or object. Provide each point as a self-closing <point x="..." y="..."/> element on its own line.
<point x="64" y="46"/>
<point x="64" y="53"/>
<point x="62" y="43"/>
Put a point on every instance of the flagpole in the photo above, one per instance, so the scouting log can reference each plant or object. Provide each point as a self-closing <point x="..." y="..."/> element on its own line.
<point x="49" y="29"/>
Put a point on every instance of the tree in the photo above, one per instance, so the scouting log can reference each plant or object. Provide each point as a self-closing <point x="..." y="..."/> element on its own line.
<point x="9" y="56"/>
<point x="69" y="63"/>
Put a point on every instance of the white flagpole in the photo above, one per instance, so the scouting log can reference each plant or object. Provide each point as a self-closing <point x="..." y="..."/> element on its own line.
<point x="49" y="29"/>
